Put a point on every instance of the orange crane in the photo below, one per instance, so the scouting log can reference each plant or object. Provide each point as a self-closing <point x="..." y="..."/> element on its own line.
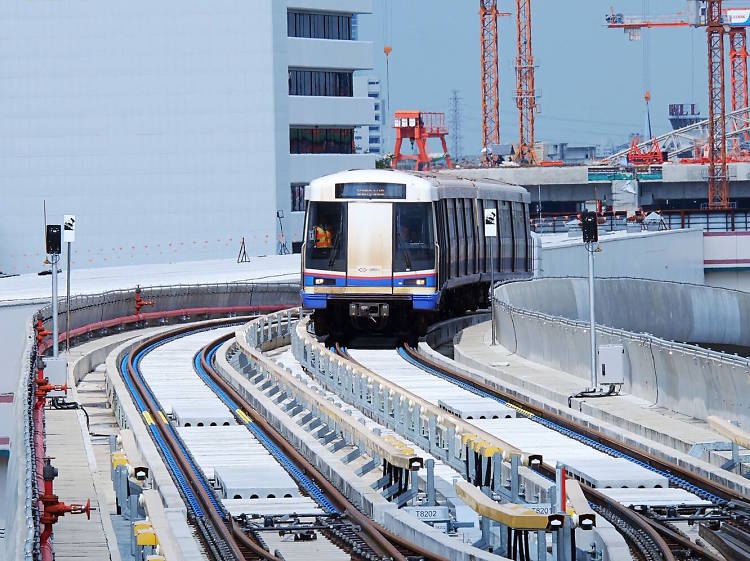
<point x="525" y="94"/>
<point x="488" y="15"/>
<point x="736" y="20"/>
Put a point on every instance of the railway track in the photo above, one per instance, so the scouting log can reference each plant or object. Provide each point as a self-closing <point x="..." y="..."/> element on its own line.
<point x="228" y="537"/>
<point x="646" y="536"/>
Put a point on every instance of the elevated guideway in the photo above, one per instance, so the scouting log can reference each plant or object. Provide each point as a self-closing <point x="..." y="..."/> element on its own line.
<point x="666" y="331"/>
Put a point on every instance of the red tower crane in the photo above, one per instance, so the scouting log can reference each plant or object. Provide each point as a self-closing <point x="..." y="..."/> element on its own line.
<point x="490" y="80"/>
<point x="718" y="185"/>
<point x="525" y="95"/>
<point x="739" y="93"/>
<point x="717" y="22"/>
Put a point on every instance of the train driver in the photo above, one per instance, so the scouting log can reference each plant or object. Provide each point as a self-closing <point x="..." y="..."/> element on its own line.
<point x="323" y="236"/>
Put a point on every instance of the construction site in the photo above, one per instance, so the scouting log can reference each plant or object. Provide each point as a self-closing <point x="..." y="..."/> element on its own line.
<point x="700" y="166"/>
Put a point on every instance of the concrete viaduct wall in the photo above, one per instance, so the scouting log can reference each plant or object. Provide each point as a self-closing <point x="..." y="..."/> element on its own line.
<point x="545" y="321"/>
<point x="89" y="315"/>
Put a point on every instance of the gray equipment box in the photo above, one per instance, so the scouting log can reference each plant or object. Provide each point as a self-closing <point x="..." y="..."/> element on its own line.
<point x="612" y="364"/>
<point x="56" y="371"/>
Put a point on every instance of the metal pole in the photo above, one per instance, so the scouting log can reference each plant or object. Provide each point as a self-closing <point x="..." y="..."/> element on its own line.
<point x="67" y="307"/>
<point x="492" y="290"/>
<point x="55" y="260"/>
<point x="592" y="320"/>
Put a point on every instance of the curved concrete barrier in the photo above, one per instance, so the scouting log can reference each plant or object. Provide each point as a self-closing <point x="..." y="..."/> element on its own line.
<point x="672" y="311"/>
<point x="542" y="321"/>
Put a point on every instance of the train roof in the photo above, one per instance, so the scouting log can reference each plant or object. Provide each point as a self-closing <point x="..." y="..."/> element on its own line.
<point x="420" y="186"/>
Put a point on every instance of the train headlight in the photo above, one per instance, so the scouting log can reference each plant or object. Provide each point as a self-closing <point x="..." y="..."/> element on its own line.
<point x="420" y="282"/>
<point x="319" y="281"/>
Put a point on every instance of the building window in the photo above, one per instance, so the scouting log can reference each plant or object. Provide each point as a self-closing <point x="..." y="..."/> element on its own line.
<point x="319" y="26"/>
<point x="298" y="197"/>
<point x="374" y="139"/>
<point x="372" y="94"/>
<point x="319" y="82"/>
<point x="374" y="129"/>
<point x="321" y="141"/>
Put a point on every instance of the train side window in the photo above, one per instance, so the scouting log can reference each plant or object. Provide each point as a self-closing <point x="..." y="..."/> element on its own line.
<point x="471" y="262"/>
<point x="461" y="237"/>
<point x="481" y="240"/>
<point x="519" y="237"/>
<point x="506" y="237"/>
<point x="414" y="247"/>
<point x="451" y="209"/>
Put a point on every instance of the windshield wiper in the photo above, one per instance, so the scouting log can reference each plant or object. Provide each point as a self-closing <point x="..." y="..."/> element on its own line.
<point x="406" y="251"/>
<point x="334" y="251"/>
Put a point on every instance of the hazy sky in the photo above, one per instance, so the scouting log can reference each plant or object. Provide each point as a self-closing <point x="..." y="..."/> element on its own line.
<point x="590" y="79"/>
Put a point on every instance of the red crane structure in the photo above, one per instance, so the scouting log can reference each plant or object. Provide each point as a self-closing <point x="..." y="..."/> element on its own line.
<point x="732" y="21"/>
<point x="488" y="15"/>
<point x="418" y="127"/>
<point x="718" y="183"/>
<point x="739" y="93"/>
<point x="525" y="94"/>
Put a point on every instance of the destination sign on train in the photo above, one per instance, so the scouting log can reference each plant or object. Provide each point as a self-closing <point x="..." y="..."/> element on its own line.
<point x="370" y="191"/>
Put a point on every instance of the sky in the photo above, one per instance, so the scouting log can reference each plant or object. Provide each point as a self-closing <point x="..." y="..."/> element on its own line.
<point x="589" y="79"/>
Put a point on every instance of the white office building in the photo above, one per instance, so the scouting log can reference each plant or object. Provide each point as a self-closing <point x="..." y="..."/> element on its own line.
<point x="172" y="129"/>
<point x="370" y="139"/>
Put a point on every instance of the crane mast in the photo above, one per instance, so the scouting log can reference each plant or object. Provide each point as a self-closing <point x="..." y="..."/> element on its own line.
<point x="525" y="94"/>
<point x="490" y="81"/>
<point x="718" y="185"/>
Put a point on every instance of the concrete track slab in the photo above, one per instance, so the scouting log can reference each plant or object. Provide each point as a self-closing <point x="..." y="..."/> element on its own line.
<point x="637" y="422"/>
<point x="635" y="414"/>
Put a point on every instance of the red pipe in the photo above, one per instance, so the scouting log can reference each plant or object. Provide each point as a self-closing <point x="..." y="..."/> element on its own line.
<point x="124" y="320"/>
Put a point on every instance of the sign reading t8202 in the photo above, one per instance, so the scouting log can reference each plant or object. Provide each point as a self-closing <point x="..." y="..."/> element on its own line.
<point x="370" y="191"/>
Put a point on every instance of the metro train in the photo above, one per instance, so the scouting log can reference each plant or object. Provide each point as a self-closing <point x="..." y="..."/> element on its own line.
<point x="393" y="250"/>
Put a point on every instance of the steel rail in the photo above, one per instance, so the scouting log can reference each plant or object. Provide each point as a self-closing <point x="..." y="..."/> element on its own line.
<point x="695" y="479"/>
<point x="233" y="537"/>
<point x="626" y="515"/>
<point x="388" y="542"/>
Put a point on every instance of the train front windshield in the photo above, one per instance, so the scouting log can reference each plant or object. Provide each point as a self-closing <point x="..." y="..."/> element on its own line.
<point x="414" y="239"/>
<point x="326" y="236"/>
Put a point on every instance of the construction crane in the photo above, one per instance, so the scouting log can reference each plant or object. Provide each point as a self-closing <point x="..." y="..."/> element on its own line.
<point x="717" y="21"/>
<point x="525" y="94"/>
<point x="488" y="39"/>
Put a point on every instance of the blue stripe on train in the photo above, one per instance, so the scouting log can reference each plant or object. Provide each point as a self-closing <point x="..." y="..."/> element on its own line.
<point x="419" y="301"/>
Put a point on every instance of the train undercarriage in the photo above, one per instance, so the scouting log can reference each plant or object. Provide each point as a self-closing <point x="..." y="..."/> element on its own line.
<point x="393" y="316"/>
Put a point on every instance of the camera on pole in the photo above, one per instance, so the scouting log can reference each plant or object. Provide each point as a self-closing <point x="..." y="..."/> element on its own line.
<point x="589" y="227"/>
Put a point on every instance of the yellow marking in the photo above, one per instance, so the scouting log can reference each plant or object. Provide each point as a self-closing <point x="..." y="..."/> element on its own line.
<point x="119" y="459"/>
<point x="148" y="417"/>
<point x="146" y="537"/>
<point x="163" y="418"/>
<point x="143" y="525"/>
<point x="242" y="415"/>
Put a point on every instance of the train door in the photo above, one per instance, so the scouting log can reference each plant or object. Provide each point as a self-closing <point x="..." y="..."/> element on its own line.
<point x="370" y="257"/>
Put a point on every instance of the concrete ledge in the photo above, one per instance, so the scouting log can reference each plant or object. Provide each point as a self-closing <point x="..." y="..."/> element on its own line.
<point x="471" y="365"/>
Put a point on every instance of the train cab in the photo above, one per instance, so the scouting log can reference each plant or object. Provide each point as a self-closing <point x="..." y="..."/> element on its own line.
<point x="369" y="249"/>
<point x="386" y="248"/>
